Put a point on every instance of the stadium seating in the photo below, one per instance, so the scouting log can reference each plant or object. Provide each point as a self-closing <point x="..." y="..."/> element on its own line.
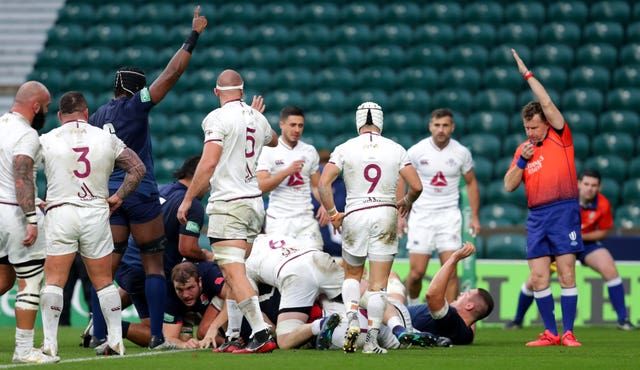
<point x="357" y="97"/>
<point x="501" y="54"/>
<point x="404" y="122"/>
<point x="336" y="77"/>
<point x="506" y="246"/>
<point x="531" y="11"/>
<point x="414" y="99"/>
<point x="502" y="77"/>
<point x="377" y="77"/>
<point x="446" y="12"/>
<point x="581" y="121"/>
<point x="567" y="33"/>
<point x="325" y="13"/>
<point x="280" y="12"/>
<point x="621" y="121"/>
<point x="630" y="54"/>
<point x="525" y="34"/>
<point x="509" y="145"/>
<point x="553" y="54"/>
<point x="386" y="55"/>
<point x="626" y="76"/>
<point x="623" y="98"/>
<point x="495" y="100"/>
<point x="432" y="55"/>
<point x="393" y="33"/>
<point x="631" y="191"/>
<point x="435" y="33"/>
<point x="581" y="145"/>
<point x="353" y="33"/>
<point x="487" y="12"/>
<point x="497" y="194"/>
<point x="361" y="12"/>
<point x="476" y="33"/>
<point x="627" y="216"/>
<point x="611" y="166"/>
<point x="616" y="11"/>
<point x="604" y="32"/>
<point x="459" y="100"/>
<point x="404" y="12"/>
<point x="601" y="54"/>
<point x="633" y="32"/>
<point x="343" y="55"/>
<point x="483" y="169"/>
<point x="590" y="76"/>
<point x="612" y="190"/>
<point x="527" y="96"/>
<point x="482" y="144"/>
<point x="617" y="143"/>
<point x="491" y="122"/>
<point x="460" y="76"/>
<point x="505" y="211"/>
<point x="572" y="11"/>
<point x="583" y="99"/>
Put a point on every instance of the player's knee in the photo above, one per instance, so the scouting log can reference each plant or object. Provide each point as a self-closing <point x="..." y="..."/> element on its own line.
<point x="120" y="247"/>
<point x="154" y="246"/>
<point x="285" y="327"/>
<point x="31" y="273"/>
<point x="225" y="255"/>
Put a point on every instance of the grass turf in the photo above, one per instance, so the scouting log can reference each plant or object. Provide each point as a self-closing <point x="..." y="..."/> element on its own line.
<point x="494" y="348"/>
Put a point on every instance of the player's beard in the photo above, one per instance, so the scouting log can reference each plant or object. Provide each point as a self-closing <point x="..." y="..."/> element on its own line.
<point x="38" y="121"/>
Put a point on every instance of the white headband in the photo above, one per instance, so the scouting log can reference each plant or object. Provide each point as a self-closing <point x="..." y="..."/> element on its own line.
<point x="225" y="88"/>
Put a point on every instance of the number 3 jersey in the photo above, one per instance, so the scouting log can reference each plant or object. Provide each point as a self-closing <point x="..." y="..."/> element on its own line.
<point x="440" y="171"/>
<point x="370" y="166"/>
<point x="241" y="131"/>
<point x="78" y="160"/>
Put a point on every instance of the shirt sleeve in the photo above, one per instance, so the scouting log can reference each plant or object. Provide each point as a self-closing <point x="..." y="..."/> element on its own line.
<point x="29" y="145"/>
<point x="195" y="220"/>
<point x="264" y="160"/>
<point x="337" y="158"/>
<point x="467" y="161"/>
<point x="214" y="129"/>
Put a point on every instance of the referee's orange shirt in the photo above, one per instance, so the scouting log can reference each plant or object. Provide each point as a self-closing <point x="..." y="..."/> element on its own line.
<point x="550" y="174"/>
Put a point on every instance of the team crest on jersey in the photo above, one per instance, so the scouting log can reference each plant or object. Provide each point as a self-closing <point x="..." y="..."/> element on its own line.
<point x="439" y="179"/>
<point x="204" y="299"/>
<point x="451" y="162"/>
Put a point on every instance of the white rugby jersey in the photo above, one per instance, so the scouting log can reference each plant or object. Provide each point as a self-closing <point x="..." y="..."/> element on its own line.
<point x="269" y="253"/>
<point x="78" y="160"/>
<point x="370" y="167"/>
<point x="242" y="132"/>
<point x="440" y="171"/>
<point x="17" y="138"/>
<point x="292" y="196"/>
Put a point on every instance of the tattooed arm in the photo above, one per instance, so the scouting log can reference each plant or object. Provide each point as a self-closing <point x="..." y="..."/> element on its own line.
<point x="25" y="194"/>
<point x="135" y="170"/>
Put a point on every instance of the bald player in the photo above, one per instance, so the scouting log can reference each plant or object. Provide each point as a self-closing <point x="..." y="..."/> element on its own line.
<point x="234" y="136"/>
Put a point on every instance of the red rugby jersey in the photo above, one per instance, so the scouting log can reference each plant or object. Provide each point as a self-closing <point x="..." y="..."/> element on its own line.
<point x="596" y="216"/>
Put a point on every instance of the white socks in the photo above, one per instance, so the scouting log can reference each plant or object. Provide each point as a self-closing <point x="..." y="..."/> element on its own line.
<point x="111" y="308"/>
<point x="51" y="304"/>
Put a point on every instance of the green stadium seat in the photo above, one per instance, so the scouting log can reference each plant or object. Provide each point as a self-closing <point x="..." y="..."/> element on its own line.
<point x="404" y="122"/>
<point x="506" y="246"/>
<point x="568" y="11"/>
<point x="633" y="32"/>
<point x="506" y="211"/>
<point x="377" y="77"/>
<point x="320" y="122"/>
<point x="459" y="100"/>
<point x="142" y="57"/>
<point x="552" y="76"/>
<point x="222" y="57"/>
<point x="332" y="100"/>
<point x="604" y="32"/>
<point x="230" y="34"/>
<point x="198" y="78"/>
<point x="487" y="12"/>
<point x="312" y="33"/>
<point x="336" y="77"/>
<point x="582" y="121"/>
<point x="100" y="57"/>
<point x="90" y="79"/>
<point x="623" y="99"/>
<point x="408" y="98"/>
<point x="460" y="76"/>
<point x="630" y="54"/>
<point x="501" y="55"/>
<point x="295" y="78"/>
<point x="404" y="12"/>
<point x="626" y="76"/>
<point x="242" y="12"/>
<point x="62" y="35"/>
<point x="553" y="54"/>
<point x="435" y="33"/>
<point x="617" y="143"/>
<point x="151" y="35"/>
<point x="160" y="124"/>
<point x="482" y="144"/>
<point x="502" y="165"/>
<point x="518" y="34"/>
<point x="610" y="165"/>
<point x="531" y="11"/>
<point x="169" y="105"/>
<point x="432" y="55"/>
<point x="304" y="56"/>
<point x="344" y="56"/>
<point x="636" y="11"/>
<point x="567" y="33"/>
<point x="280" y="13"/>
<point x="611" y="189"/>
<point x="509" y="144"/>
<point x="502" y="77"/>
<point x="81" y="14"/>
<point x="445" y="12"/>
<point x="491" y="122"/>
<point x="336" y="140"/>
<point x="468" y="55"/>
<point x="590" y="76"/>
<point x="52" y="78"/>
<point x="112" y="35"/>
<point x="627" y="216"/>
<point x="625" y="122"/>
<point x="275" y="34"/>
<point x="581" y="145"/>
<point x="361" y="12"/>
<point x="476" y="33"/>
<point x="405" y="140"/>
<point x="278" y="99"/>
<point x="357" y="97"/>
<point x="164" y="169"/>
<point x="633" y="167"/>
<point x="615" y="11"/>
<point x="497" y="194"/>
<point x="202" y="100"/>
<point x="258" y="78"/>
<point x="584" y="99"/>
<point x="631" y="191"/>
<point x="495" y="100"/>
<point x="319" y="141"/>
<point x="325" y="13"/>
<point x="182" y="146"/>
<point x="157" y="13"/>
<point x="419" y="77"/>
<point x="386" y="55"/>
<point x="57" y="57"/>
<point x="393" y="33"/>
<point x="601" y="54"/>
<point x="118" y="13"/>
<point x="357" y="34"/>
<point x="483" y="169"/>
<point x="266" y="56"/>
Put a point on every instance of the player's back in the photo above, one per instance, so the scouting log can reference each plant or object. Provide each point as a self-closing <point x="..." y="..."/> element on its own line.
<point x="15" y="129"/>
<point x="370" y="166"/>
<point x="79" y="158"/>
<point x="242" y="132"/>
<point x="268" y="253"/>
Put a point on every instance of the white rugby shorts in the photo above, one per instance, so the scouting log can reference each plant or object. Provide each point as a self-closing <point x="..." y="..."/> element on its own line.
<point x="371" y="231"/>
<point x="72" y="229"/>
<point x="240" y="219"/>
<point x="434" y="230"/>
<point x="13" y="229"/>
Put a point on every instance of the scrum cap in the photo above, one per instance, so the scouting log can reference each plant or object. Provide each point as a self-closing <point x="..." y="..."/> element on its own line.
<point x="369" y="113"/>
<point x="130" y="79"/>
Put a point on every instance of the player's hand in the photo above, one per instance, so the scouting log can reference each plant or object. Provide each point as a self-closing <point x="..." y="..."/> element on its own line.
<point x="114" y="203"/>
<point x="337" y="223"/>
<point x="190" y="344"/>
<point x="258" y="103"/>
<point x="323" y="217"/>
<point x="521" y="66"/>
<point x="474" y="227"/>
<point x="402" y="226"/>
<point x="404" y="207"/>
<point x="295" y="167"/>
<point x="32" y="235"/>
<point x="183" y="210"/>
<point x="467" y="249"/>
<point x="527" y="150"/>
<point x="208" y="342"/>
<point x="199" y="21"/>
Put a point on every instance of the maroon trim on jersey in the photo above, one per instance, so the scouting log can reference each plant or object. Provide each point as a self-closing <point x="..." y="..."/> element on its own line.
<point x="9" y="204"/>
<point x="218" y="140"/>
<point x="56" y="206"/>
<point x="247" y="197"/>
<point x="292" y="258"/>
<point x="370" y="207"/>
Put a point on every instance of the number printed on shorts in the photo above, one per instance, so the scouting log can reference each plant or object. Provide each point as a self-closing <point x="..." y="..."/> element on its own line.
<point x="83" y="159"/>
<point x="372" y="173"/>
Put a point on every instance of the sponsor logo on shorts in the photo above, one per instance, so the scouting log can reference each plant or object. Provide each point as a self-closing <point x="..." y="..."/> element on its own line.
<point x="573" y="236"/>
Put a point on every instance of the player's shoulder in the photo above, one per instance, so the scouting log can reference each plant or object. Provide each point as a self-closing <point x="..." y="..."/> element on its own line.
<point x="603" y="202"/>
